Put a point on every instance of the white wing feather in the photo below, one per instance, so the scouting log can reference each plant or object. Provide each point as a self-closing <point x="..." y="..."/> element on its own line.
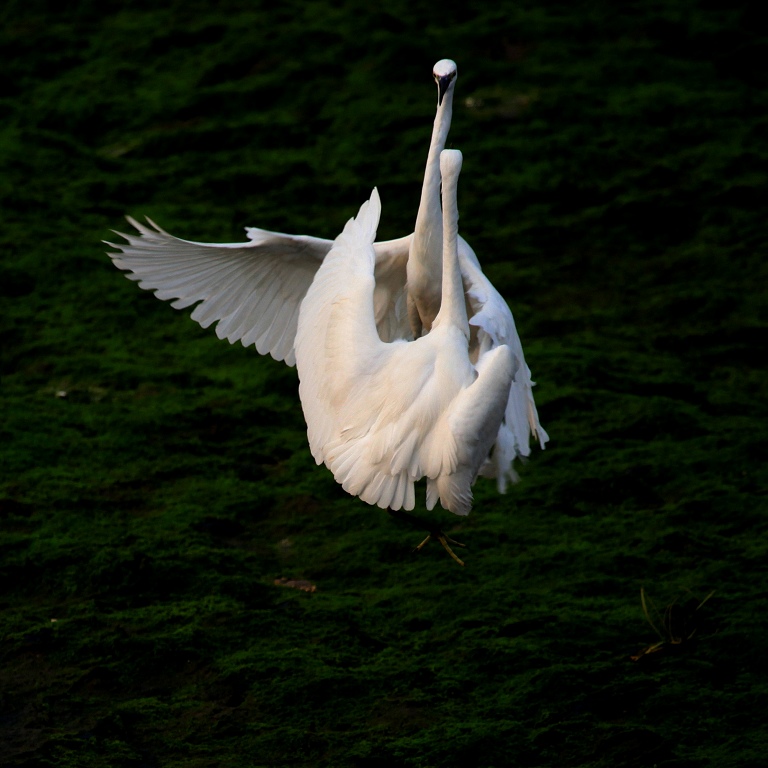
<point x="496" y="326"/>
<point x="253" y="290"/>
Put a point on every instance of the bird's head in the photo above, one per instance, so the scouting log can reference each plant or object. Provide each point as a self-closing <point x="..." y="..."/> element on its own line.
<point x="444" y="72"/>
<point x="450" y="163"/>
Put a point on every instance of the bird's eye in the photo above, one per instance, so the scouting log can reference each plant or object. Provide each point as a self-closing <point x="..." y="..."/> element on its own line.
<point x="451" y="76"/>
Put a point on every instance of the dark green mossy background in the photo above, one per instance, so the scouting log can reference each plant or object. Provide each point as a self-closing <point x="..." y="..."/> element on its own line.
<point x="156" y="481"/>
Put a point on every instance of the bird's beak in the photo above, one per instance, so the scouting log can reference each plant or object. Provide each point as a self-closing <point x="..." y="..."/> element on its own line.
<point x="443" y="83"/>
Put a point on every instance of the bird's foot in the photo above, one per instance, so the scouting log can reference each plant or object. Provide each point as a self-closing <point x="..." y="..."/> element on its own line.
<point x="434" y="533"/>
<point x="443" y="539"/>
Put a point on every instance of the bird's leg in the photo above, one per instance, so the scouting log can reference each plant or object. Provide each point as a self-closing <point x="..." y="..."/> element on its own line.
<point x="435" y="533"/>
<point x="443" y="539"/>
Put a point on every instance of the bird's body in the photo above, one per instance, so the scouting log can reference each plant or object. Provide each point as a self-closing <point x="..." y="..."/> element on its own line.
<point x="381" y="414"/>
<point x="254" y="290"/>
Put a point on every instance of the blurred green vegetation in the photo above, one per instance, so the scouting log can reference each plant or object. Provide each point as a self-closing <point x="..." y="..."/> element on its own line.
<point x="156" y="481"/>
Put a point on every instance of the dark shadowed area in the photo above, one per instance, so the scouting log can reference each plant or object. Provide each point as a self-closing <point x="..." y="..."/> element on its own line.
<point x="160" y="511"/>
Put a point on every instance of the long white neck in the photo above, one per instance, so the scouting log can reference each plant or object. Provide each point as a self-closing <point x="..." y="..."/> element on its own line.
<point x="424" y="268"/>
<point x="453" y="309"/>
<point x="428" y="217"/>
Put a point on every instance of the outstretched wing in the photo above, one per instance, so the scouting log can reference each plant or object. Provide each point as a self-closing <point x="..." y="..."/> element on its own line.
<point x="496" y="326"/>
<point x="337" y="330"/>
<point x="252" y="290"/>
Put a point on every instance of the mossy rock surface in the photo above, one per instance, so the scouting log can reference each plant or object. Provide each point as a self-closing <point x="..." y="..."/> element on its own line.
<point x="158" y="499"/>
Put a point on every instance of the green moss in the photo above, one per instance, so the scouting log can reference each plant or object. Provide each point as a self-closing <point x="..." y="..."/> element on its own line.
<point x="156" y="483"/>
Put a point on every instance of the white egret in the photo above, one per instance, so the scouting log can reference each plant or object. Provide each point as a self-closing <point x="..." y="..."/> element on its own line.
<point x="382" y="415"/>
<point x="253" y="290"/>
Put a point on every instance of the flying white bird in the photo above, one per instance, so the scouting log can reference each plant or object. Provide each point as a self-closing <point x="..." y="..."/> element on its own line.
<point x="382" y="415"/>
<point x="254" y="290"/>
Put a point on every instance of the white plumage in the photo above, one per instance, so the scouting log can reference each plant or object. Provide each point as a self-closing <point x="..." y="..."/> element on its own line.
<point x="254" y="290"/>
<point x="379" y="414"/>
